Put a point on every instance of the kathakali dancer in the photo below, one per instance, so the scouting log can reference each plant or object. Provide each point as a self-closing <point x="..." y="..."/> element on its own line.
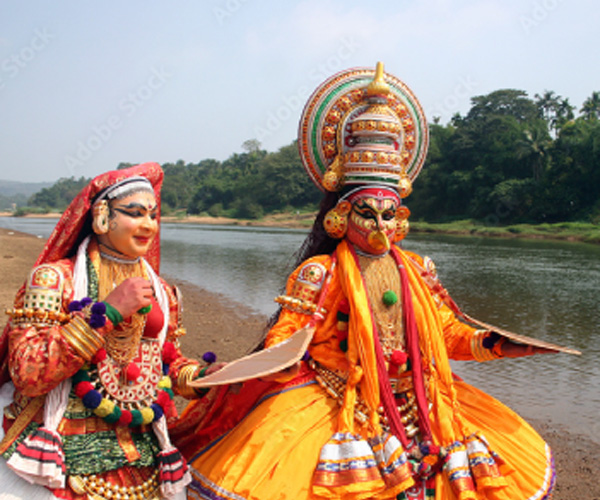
<point x="373" y="410"/>
<point x="90" y="356"/>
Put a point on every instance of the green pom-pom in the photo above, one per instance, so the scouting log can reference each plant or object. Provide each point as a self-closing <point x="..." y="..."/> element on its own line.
<point x="145" y="310"/>
<point x="342" y="316"/>
<point x="81" y="376"/>
<point x="136" y="418"/>
<point x="390" y="298"/>
<point x="114" y="416"/>
<point x="344" y="345"/>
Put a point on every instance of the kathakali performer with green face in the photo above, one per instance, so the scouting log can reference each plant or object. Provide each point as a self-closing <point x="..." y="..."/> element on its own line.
<point x="373" y="410"/>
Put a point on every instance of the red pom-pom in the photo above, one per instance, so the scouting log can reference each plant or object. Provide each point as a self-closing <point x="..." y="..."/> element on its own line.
<point x="163" y="399"/>
<point x="132" y="372"/>
<point x="434" y="449"/>
<point x="342" y="334"/>
<point x="99" y="356"/>
<point x="344" y="306"/>
<point x="398" y="358"/>
<point x="169" y="353"/>
<point x="125" y="418"/>
<point x="82" y="388"/>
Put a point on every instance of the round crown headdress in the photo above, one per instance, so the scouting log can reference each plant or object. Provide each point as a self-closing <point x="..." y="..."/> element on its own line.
<point x="363" y="127"/>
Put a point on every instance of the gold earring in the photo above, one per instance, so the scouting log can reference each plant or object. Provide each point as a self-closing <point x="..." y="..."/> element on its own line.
<point x="336" y="220"/>
<point x="100" y="214"/>
<point x="404" y="186"/>
<point x="402" y="225"/>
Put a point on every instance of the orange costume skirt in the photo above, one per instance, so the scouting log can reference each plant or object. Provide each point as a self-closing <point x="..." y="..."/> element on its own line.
<point x="273" y="451"/>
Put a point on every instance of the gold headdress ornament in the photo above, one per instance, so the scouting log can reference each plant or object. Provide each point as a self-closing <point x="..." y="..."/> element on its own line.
<point x="363" y="127"/>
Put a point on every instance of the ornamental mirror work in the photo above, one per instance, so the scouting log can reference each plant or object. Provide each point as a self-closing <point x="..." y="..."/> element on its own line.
<point x="363" y="126"/>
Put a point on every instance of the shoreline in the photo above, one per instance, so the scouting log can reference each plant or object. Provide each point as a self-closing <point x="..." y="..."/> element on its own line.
<point x="559" y="232"/>
<point x="214" y="323"/>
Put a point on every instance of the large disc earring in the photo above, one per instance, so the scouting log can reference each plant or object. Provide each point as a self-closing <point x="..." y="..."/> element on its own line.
<point x="100" y="214"/>
<point x="336" y="220"/>
<point x="402" y="226"/>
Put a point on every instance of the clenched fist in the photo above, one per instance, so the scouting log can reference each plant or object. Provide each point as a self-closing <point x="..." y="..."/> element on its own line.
<point x="131" y="295"/>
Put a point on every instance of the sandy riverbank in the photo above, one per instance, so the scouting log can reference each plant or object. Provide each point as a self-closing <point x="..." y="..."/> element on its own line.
<point x="230" y="329"/>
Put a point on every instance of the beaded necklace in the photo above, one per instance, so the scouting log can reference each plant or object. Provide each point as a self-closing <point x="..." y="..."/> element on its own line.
<point x="85" y="388"/>
<point x="103" y="275"/>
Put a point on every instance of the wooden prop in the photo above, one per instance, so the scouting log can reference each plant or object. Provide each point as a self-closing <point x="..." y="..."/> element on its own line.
<point x="432" y="281"/>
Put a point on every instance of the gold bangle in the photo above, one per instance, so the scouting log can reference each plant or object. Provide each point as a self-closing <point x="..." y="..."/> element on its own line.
<point x="481" y="353"/>
<point x="82" y="337"/>
<point x="76" y="344"/>
<point x="88" y="332"/>
<point x="186" y="374"/>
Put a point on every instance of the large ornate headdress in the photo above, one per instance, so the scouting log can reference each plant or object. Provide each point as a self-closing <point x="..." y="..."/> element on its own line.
<point x="363" y="127"/>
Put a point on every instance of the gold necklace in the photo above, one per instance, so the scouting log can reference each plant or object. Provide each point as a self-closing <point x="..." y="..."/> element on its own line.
<point x="121" y="343"/>
<point x="381" y="275"/>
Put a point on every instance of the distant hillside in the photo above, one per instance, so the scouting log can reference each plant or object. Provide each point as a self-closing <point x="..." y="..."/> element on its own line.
<point x="12" y="188"/>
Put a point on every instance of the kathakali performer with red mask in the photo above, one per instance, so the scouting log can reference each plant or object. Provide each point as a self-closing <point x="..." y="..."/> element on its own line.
<point x="90" y="356"/>
<point x="373" y="410"/>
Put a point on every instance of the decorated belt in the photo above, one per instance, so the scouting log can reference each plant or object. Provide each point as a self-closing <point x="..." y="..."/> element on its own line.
<point x="99" y="489"/>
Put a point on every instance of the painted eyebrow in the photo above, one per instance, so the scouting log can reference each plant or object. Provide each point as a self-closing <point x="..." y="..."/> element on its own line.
<point x="362" y="206"/>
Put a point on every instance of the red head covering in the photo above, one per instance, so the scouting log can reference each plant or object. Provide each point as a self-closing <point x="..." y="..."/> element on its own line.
<point x="68" y="231"/>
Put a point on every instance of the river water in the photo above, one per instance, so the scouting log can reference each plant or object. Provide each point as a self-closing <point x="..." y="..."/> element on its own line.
<point x="547" y="290"/>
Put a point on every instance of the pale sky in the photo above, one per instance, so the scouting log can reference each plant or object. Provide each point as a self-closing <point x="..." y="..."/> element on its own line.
<point x="85" y="85"/>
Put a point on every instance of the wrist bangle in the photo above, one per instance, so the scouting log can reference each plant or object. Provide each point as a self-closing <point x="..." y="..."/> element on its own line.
<point x="202" y="372"/>
<point x="482" y="345"/>
<point x="82" y="337"/>
<point x="113" y="314"/>
<point x="187" y="373"/>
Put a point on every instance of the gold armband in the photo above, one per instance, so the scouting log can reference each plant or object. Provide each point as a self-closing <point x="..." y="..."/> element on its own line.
<point x="42" y="302"/>
<point x="305" y="291"/>
<point x="82" y="337"/>
<point x="37" y="317"/>
<point x="186" y="374"/>
<point x="296" y="305"/>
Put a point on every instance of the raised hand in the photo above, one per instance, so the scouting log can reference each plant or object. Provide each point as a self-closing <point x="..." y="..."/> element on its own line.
<point x="130" y="296"/>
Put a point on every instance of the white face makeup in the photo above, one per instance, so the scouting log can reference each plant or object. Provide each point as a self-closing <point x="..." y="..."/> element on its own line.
<point x="132" y="225"/>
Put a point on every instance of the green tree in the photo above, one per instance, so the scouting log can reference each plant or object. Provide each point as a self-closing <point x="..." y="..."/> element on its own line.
<point x="59" y="195"/>
<point x="591" y="107"/>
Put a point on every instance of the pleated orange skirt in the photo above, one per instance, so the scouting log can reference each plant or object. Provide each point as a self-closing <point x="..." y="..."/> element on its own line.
<point x="272" y="453"/>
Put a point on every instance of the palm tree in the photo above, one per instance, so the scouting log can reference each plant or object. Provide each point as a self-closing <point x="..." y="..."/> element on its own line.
<point x="548" y="103"/>
<point x="550" y="106"/>
<point x="533" y="147"/>
<point x="564" y="114"/>
<point x="591" y="107"/>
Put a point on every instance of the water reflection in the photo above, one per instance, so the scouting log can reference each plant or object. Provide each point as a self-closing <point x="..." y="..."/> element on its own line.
<point x="247" y="265"/>
<point x="547" y="290"/>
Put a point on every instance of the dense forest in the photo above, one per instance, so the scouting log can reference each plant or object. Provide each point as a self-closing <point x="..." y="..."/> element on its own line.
<point x="510" y="159"/>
